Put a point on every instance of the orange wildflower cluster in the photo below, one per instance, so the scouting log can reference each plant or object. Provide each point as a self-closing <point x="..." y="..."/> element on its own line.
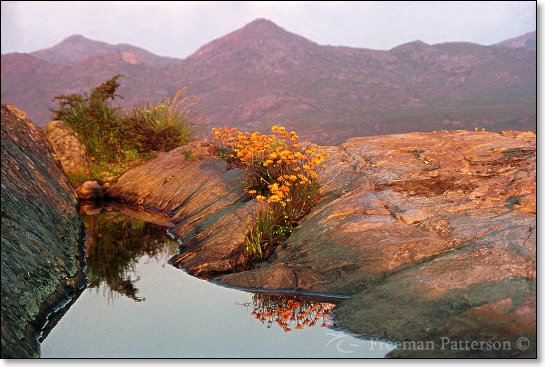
<point x="277" y="163"/>
<point x="291" y="312"/>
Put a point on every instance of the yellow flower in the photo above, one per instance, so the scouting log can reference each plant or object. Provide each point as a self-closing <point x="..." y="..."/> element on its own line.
<point x="280" y="157"/>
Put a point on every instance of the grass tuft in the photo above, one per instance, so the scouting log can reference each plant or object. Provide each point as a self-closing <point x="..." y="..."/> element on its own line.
<point x="115" y="140"/>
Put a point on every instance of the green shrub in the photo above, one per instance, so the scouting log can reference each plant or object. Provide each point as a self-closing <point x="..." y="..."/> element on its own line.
<point x="98" y="125"/>
<point x="114" y="139"/>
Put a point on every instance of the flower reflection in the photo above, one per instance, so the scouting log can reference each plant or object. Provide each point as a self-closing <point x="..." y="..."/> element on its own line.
<point x="290" y="312"/>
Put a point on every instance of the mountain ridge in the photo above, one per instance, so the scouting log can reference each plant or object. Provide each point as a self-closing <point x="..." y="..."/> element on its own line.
<point x="262" y="74"/>
<point x="77" y="47"/>
<point x="527" y="40"/>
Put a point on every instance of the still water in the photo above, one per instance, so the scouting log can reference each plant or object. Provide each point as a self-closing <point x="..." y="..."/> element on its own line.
<point x="138" y="305"/>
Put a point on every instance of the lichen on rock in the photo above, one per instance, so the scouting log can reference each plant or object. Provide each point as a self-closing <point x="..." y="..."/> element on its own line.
<point x="41" y="233"/>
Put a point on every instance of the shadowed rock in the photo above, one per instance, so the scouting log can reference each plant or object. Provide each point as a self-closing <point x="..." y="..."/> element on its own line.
<point x="41" y="233"/>
<point x="90" y="190"/>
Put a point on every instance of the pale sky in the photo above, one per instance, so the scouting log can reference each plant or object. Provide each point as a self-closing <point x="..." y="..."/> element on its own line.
<point x="178" y="29"/>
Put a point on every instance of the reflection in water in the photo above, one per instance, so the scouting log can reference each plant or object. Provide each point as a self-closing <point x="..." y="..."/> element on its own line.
<point x="180" y="317"/>
<point x="114" y="244"/>
<point x="118" y="236"/>
<point x="290" y="312"/>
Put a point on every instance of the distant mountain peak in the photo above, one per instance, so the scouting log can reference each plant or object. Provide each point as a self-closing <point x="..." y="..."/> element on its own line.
<point x="71" y="49"/>
<point x="77" y="47"/>
<point x="527" y="40"/>
<point x="262" y="74"/>
<point x="261" y="27"/>
<point x="79" y="42"/>
<point x="409" y="46"/>
<point x="75" y="38"/>
<point x="418" y="43"/>
<point x="261" y="34"/>
<point x="262" y="24"/>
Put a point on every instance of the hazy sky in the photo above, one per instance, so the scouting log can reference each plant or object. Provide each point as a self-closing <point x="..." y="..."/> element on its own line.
<point x="179" y="28"/>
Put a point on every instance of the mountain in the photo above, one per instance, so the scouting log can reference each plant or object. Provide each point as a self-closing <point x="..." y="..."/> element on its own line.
<point x="262" y="74"/>
<point x="77" y="47"/>
<point x="528" y="40"/>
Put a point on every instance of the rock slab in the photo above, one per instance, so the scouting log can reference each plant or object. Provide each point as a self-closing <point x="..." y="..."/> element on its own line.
<point x="90" y="190"/>
<point x="204" y="196"/>
<point x="66" y="147"/>
<point x="427" y="232"/>
<point x="41" y="234"/>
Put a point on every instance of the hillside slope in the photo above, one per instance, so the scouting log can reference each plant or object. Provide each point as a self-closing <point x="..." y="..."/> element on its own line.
<point x="262" y="74"/>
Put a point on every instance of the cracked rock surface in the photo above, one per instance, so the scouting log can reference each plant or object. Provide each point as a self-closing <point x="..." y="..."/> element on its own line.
<point x="427" y="232"/>
<point x="41" y="234"/>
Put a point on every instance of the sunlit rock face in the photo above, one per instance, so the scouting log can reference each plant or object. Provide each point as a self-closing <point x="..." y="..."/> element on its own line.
<point x="67" y="149"/>
<point x="209" y="208"/>
<point x="129" y="58"/>
<point x="41" y="233"/>
<point x="428" y="232"/>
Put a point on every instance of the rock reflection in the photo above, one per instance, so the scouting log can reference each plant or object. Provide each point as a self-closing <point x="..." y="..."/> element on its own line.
<point x="113" y="246"/>
<point x="290" y="312"/>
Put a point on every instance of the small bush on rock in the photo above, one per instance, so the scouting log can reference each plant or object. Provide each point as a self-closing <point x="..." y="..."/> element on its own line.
<point x="115" y="140"/>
